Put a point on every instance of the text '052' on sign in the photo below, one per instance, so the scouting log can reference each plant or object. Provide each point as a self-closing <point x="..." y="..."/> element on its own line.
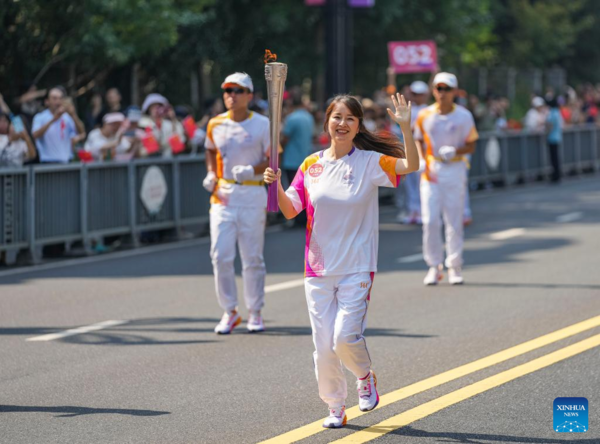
<point x="416" y="56"/>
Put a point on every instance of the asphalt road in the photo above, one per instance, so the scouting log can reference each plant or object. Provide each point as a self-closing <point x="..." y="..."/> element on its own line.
<point x="162" y="375"/>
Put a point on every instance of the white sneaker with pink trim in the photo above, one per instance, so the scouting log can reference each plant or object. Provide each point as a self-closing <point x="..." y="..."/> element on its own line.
<point x="337" y="418"/>
<point x="255" y="322"/>
<point x="368" y="398"/>
<point x="228" y="322"/>
<point x="434" y="275"/>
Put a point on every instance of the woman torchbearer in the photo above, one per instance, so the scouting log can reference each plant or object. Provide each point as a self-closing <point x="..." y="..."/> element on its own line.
<point x="338" y="188"/>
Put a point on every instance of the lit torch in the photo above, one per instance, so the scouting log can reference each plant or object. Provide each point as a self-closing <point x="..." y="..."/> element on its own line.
<point x="275" y="74"/>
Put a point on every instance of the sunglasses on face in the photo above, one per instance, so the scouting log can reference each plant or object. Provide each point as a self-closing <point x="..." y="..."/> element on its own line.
<point x="234" y="90"/>
<point x="443" y="88"/>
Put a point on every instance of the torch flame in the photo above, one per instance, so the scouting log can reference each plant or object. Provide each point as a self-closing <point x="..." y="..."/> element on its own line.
<point x="270" y="57"/>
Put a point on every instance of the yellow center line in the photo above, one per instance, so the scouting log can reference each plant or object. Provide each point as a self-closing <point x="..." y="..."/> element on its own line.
<point x="420" y="412"/>
<point x="450" y="375"/>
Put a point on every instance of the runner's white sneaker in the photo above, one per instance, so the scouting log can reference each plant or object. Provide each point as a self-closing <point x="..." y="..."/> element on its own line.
<point x="433" y="276"/>
<point x="337" y="418"/>
<point x="368" y="398"/>
<point x="255" y="323"/>
<point x="228" y="322"/>
<point x="455" y="276"/>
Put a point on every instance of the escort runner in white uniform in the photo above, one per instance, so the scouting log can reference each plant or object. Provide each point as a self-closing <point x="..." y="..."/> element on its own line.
<point x="237" y="144"/>
<point x="446" y="133"/>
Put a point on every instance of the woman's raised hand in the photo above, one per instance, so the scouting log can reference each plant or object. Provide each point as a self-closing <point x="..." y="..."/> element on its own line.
<point x="402" y="110"/>
<point x="269" y="176"/>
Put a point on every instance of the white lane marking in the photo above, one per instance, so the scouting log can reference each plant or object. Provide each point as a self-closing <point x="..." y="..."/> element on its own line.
<point x="507" y="234"/>
<point x="412" y="258"/>
<point x="284" y="285"/>
<point x="569" y="217"/>
<point x="117" y="255"/>
<point x="76" y="331"/>
<point x="101" y="325"/>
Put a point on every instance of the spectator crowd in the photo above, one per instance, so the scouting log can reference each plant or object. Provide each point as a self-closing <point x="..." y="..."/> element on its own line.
<point x="43" y="126"/>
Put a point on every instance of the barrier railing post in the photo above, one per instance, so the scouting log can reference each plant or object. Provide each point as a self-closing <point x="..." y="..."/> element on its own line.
<point x="35" y="251"/>
<point x="177" y="197"/>
<point x="504" y="159"/>
<point x="83" y="190"/>
<point x="524" y="158"/>
<point x="577" y="166"/>
<point x="132" y="204"/>
<point x="595" y="150"/>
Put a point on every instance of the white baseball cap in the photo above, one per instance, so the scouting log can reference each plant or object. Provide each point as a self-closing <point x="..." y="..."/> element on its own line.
<point x="113" y="118"/>
<point x="536" y="102"/>
<point x="419" y="87"/>
<point x="446" y="78"/>
<point x="239" y="78"/>
<point x="153" y="98"/>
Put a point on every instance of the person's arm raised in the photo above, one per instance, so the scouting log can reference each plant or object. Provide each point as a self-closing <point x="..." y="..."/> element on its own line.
<point x="401" y="115"/>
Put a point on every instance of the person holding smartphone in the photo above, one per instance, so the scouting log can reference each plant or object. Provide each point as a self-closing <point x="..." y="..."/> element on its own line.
<point x="57" y="128"/>
<point x="16" y="147"/>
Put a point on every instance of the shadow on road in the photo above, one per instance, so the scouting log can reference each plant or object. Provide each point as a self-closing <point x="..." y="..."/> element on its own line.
<point x="68" y="411"/>
<point x="530" y="285"/>
<point x="306" y="331"/>
<point x="474" y="438"/>
<point x="132" y="333"/>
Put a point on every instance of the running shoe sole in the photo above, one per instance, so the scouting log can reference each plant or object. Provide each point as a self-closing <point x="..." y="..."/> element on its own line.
<point x="337" y="427"/>
<point x="376" y="402"/>
<point x="238" y="322"/>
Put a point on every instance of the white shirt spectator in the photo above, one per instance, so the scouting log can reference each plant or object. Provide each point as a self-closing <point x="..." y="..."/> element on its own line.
<point x="12" y="154"/>
<point x="535" y="119"/>
<point x="96" y="140"/>
<point x="55" y="145"/>
<point x="163" y="132"/>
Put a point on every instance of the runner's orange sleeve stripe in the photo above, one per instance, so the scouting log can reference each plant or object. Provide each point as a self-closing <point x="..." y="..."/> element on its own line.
<point x="388" y="165"/>
<point x="212" y="124"/>
<point x="473" y="135"/>
<point x="308" y="162"/>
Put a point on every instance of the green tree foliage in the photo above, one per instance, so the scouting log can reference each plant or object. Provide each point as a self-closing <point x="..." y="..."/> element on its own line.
<point x="96" y="42"/>
<point x="462" y="30"/>
<point x="92" y="35"/>
<point x="543" y="33"/>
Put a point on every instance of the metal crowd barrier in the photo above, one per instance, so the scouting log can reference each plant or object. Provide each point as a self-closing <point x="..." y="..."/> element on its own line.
<point x="50" y="204"/>
<point x="512" y="158"/>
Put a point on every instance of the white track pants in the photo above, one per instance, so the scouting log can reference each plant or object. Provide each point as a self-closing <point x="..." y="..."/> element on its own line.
<point x="246" y="226"/>
<point x="467" y="210"/>
<point x="444" y="199"/>
<point x="337" y="306"/>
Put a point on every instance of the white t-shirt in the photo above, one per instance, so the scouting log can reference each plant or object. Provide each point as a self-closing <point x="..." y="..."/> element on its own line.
<point x="534" y="120"/>
<point x="97" y="140"/>
<point x="12" y="154"/>
<point x="55" y="144"/>
<point x="238" y="143"/>
<point x="342" y="204"/>
<point x="436" y="130"/>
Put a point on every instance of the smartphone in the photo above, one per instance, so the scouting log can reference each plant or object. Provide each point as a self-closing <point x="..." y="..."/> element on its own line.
<point x="17" y="124"/>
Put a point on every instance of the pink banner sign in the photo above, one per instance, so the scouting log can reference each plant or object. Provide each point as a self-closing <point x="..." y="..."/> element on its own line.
<point x="416" y="56"/>
<point x="314" y="2"/>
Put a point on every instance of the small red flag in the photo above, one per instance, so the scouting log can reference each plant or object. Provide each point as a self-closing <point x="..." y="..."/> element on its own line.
<point x="189" y="124"/>
<point x="149" y="141"/>
<point x="85" y="156"/>
<point x="177" y="146"/>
